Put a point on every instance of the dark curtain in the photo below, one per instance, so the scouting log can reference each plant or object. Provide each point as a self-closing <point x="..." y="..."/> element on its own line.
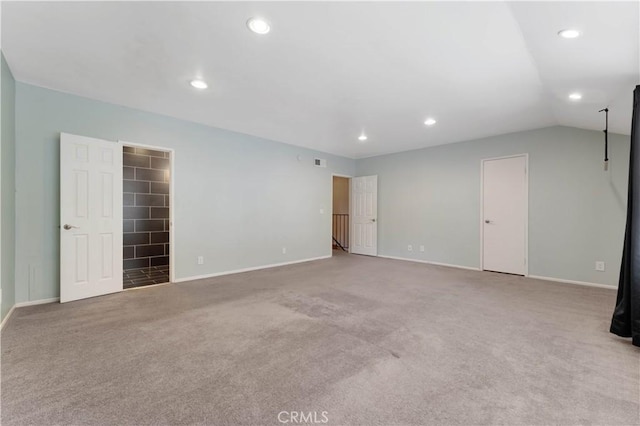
<point x="626" y="316"/>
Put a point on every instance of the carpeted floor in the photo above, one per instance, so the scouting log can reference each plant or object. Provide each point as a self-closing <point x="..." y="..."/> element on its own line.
<point x="369" y="341"/>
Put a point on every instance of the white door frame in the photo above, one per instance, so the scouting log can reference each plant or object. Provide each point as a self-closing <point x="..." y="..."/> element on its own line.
<point x="172" y="156"/>
<point x="331" y="222"/>
<point x="526" y="209"/>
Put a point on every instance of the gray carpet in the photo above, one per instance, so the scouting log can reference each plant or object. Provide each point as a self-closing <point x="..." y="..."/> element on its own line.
<point x="370" y="341"/>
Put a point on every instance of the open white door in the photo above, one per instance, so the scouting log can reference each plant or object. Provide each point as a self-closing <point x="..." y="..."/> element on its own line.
<point x="364" y="213"/>
<point x="504" y="215"/>
<point x="90" y="217"/>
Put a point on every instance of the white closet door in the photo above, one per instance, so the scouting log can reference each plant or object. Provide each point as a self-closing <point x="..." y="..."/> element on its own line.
<point x="90" y="217"/>
<point x="504" y="215"/>
<point x="364" y="212"/>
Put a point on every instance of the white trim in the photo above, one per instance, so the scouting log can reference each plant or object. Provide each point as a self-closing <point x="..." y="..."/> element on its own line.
<point x="448" y="265"/>
<point x="172" y="211"/>
<point x="526" y="209"/>
<point x="582" y="283"/>
<point x="349" y="196"/>
<point x="145" y="286"/>
<point x="145" y="146"/>
<point x="37" y="302"/>
<point x="535" y="277"/>
<point x="172" y="162"/>
<point x="6" y="318"/>
<point x="253" y="268"/>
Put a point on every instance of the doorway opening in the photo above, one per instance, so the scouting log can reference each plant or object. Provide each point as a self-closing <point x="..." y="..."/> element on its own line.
<point x="146" y="216"/>
<point x="340" y="214"/>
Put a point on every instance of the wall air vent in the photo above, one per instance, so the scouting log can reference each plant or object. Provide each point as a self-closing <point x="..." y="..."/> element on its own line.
<point x="320" y="162"/>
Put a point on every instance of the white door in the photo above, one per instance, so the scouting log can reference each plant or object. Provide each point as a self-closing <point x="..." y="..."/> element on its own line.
<point x="364" y="215"/>
<point x="90" y="217"/>
<point x="504" y="215"/>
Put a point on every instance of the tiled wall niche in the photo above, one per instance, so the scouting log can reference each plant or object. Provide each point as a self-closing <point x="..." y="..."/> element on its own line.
<point x="145" y="208"/>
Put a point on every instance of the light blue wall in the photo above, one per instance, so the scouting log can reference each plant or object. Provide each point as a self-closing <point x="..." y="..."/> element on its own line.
<point x="238" y="199"/>
<point x="8" y="185"/>
<point x="431" y="197"/>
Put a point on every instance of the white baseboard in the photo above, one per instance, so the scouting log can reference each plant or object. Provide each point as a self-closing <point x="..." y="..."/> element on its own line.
<point x="254" y="268"/>
<point x="537" y="277"/>
<point x="28" y="303"/>
<point x="37" y="302"/>
<point x="6" y="318"/>
<point x="448" y="265"/>
<point x="275" y="265"/>
<point x="583" y="283"/>
<point x="144" y="287"/>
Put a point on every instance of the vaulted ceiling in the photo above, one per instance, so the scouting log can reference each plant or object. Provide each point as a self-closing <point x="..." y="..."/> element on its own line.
<point x="329" y="71"/>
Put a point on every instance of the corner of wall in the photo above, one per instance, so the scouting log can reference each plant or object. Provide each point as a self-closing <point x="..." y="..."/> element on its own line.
<point x="8" y="187"/>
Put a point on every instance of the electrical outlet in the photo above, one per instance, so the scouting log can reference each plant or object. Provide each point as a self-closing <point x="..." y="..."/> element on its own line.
<point x="422" y="249"/>
<point x="410" y="247"/>
<point x="600" y="265"/>
<point x="284" y="250"/>
<point x="200" y="260"/>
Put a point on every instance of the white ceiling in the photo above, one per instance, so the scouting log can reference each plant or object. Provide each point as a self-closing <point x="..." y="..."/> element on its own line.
<point x="328" y="71"/>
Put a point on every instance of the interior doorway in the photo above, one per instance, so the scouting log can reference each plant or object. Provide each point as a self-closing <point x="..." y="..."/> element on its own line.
<point x="504" y="215"/>
<point x="147" y="177"/>
<point x="364" y="212"/>
<point x="340" y="214"/>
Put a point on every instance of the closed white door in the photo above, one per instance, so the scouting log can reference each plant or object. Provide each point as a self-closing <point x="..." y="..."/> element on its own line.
<point x="90" y="217"/>
<point x="364" y="212"/>
<point x="504" y="215"/>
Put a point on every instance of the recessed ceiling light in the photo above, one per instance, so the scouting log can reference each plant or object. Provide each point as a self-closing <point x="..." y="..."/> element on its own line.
<point x="199" y="84"/>
<point x="430" y="121"/>
<point x="362" y="137"/>
<point x="575" y="96"/>
<point x="569" y="33"/>
<point x="258" y="25"/>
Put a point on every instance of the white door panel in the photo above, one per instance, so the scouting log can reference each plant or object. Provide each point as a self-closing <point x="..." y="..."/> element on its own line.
<point x="364" y="206"/>
<point x="504" y="209"/>
<point x="90" y="216"/>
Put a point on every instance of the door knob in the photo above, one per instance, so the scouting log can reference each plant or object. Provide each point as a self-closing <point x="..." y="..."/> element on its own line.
<point x="67" y="227"/>
<point x="487" y="221"/>
<point x="373" y="220"/>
